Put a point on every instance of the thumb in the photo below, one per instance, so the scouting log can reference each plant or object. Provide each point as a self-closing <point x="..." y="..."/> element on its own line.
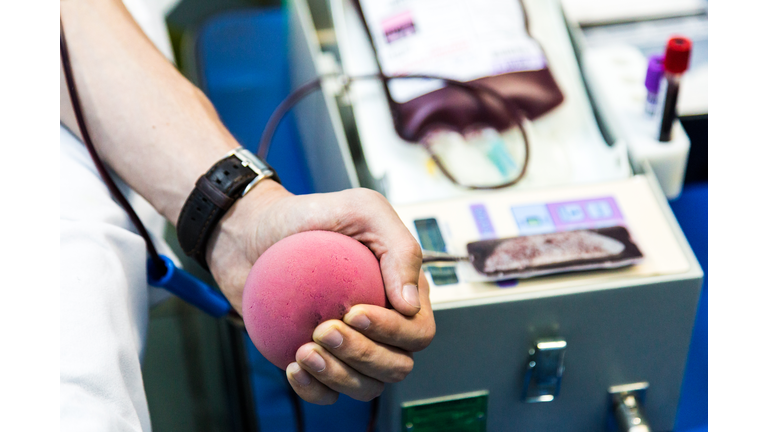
<point x="400" y="266"/>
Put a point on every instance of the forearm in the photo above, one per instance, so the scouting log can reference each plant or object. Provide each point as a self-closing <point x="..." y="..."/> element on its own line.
<point x="159" y="133"/>
<point x="155" y="129"/>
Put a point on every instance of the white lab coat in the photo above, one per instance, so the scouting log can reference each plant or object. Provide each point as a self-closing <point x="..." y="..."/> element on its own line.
<point x="105" y="299"/>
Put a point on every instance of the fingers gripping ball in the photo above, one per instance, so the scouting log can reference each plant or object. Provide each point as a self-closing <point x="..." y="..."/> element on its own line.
<point x="301" y="281"/>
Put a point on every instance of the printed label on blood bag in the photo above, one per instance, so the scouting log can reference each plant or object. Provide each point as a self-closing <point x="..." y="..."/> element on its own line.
<point x="455" y="39"/>
<point x="398" y="26"/>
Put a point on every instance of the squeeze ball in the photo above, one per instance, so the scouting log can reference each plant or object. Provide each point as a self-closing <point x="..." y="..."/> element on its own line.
<point x="302" y="281"/>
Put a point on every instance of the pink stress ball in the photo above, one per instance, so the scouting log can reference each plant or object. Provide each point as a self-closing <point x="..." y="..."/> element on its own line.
<point x="301" y="281"/>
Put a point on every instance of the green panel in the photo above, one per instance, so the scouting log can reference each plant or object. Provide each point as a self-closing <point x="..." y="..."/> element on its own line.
<point x="466" y="412"/>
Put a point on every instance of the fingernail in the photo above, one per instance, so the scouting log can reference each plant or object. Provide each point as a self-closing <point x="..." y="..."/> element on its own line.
<point x="360" y="322"/>
<point x="299" y="375"/>
<point x="332" y="338"/>
<point x="314" y="361"/>
<point x="411" y="295"/>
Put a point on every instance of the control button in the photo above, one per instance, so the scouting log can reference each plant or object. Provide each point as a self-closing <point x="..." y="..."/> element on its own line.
<point x="482" y="221"/>
<point x="533" y="219"/>
<point x="570" y="213"/>
<point x="599" y="210"/>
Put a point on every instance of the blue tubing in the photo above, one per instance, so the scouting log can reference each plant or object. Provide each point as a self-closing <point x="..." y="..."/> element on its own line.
<point x="189" y="288"/>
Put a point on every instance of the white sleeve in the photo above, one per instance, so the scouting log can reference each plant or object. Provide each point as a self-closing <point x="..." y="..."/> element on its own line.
<point x="104" y="294"/>
<point x="105" y="299"/>
<point x="104" y="316"/>
<point x="104" y="303"/>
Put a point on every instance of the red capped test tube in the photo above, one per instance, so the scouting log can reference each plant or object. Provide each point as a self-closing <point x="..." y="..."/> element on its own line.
<point x="676" y="61"/>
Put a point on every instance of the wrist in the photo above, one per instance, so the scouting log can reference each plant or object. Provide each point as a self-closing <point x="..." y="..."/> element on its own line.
<point x="234" y="241"/>
<point x="223" y="185"/>
<point x="196" y="162"/>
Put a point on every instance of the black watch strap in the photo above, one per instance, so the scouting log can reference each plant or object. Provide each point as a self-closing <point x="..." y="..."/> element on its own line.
<point x="214" y="193"/>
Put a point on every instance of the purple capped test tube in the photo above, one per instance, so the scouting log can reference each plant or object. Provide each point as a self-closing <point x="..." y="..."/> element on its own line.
<point x="653" y="82"/>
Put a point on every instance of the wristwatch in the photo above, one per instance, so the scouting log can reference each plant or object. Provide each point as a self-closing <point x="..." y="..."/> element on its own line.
<point x="214" y="193"/>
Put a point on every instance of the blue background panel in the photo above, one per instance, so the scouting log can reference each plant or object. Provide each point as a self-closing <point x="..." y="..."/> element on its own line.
<point x="691" y="211"/>
<point x="243" y="68"/>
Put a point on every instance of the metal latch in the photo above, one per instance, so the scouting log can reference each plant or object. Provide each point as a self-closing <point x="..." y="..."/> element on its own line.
<point x="626" y="404"/>
<point x="544" y="371"/>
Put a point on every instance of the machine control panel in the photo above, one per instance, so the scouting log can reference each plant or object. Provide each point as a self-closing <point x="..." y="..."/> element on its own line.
<point x="527" y="219"/>
<point x="566" y="216"/>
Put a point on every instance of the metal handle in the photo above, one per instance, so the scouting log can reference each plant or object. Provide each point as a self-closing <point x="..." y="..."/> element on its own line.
<point x="544" y="371"/>
<point x="626" y="403"/>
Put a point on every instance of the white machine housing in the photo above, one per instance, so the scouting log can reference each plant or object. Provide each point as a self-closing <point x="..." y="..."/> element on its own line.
<point x="621" y="326"/>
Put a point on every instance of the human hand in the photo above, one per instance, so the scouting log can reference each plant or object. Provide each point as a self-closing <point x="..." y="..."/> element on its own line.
<point x="375" y="353"/>
<point x="356" y="356"/>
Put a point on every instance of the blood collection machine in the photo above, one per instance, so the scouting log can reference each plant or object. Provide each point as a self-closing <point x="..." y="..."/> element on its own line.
<point x="598" y="350"/>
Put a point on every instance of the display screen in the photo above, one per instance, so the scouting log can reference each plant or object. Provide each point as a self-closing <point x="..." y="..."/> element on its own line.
<point x="431" y="239"/>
